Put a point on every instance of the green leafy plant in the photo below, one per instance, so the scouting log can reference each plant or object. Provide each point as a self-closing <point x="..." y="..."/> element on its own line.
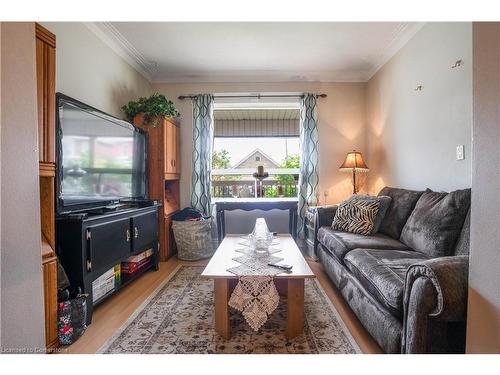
<point x="221" y="159"/>
<point x="155" y="105"/>
<point x="287" y="180"/>
<point x="292" y="161"/>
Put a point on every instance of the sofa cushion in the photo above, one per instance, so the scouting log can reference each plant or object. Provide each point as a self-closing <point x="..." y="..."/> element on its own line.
<point x="385" y="202"/>
<point x="402" y="204"/>
<point x="340" y="243"/>
<point x="435" y="224"/>
<point x="356" y="216"/>
<point x="382" y="273"/>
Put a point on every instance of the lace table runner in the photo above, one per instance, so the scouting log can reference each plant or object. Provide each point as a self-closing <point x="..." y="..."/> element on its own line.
<point x="255" y="295"/>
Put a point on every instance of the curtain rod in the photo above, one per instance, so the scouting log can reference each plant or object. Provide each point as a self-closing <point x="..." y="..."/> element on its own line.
<point x="258" y="96"/>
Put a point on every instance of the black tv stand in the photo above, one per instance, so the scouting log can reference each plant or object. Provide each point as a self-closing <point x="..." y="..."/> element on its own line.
<point x="91" y="243"/>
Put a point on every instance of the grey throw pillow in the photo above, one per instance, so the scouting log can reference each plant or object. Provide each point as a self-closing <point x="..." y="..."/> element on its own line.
<point x="435" y="224"/>
<point x="385" y="202"/>
<point x="402" y="204"/>
<point x="356" y="216"/>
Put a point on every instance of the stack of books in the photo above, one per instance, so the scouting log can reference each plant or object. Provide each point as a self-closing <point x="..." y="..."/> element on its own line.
<point x="135" y="263"/>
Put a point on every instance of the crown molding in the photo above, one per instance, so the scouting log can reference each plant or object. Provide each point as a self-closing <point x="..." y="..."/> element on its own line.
<point x="121" y="46"/>
<point x="401" y="36"/>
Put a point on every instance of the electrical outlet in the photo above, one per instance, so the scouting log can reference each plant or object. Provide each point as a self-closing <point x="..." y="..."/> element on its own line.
<point x="460" y="152"/>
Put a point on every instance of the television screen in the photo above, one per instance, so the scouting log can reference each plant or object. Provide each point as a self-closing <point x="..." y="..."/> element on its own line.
<point x="101" y="159"/>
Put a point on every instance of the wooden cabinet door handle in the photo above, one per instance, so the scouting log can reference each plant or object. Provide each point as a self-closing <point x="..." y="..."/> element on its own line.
<point x="136" y="232"/>
<point x="128" y="235"/>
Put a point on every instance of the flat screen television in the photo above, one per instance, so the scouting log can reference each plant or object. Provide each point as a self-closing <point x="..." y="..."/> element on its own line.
<point x="101" y="160"/>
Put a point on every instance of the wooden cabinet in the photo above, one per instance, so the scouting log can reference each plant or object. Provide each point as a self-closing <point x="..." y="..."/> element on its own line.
<point x="172" y="164"/>
<point x="46" y="78"/>
<point x="167" y="236"/>
<point x="47" y="204"/>
<point x="171" y="202"/>
<point x="46" y="86"/>
<point x="170" y="149"/>
<point x="164" y="173"/>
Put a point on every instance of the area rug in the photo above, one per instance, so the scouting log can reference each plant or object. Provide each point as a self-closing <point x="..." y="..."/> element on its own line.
<point x="178" y="318"/>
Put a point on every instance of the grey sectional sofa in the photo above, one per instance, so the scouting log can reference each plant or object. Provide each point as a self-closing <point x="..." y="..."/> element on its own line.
<point x="407" y="283"/>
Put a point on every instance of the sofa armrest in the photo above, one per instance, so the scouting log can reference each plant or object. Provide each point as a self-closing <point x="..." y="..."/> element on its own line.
<point x="449" y="276"/>
<point x="325" y="215"/>
<point x="434" y="289"/>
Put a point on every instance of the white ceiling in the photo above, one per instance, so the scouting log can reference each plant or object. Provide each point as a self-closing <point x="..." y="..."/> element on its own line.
<point x="256" y="52"/>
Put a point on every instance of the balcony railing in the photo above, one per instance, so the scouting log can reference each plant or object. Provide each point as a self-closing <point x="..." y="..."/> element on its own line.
<point x="232" y="183"/>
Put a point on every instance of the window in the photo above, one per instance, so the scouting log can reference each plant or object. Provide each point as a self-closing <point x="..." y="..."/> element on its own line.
<point x="246" y="138"/>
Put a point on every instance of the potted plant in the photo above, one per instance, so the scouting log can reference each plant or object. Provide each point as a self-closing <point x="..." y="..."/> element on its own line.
<point x="157" y="105"/>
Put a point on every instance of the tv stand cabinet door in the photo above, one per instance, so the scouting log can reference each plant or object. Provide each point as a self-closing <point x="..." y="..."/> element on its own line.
<point x="144" y="231"/>
<point x="109" y="243"/>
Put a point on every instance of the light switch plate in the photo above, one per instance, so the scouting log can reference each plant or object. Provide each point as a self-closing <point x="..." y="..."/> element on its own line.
<point x="460" y="152"/>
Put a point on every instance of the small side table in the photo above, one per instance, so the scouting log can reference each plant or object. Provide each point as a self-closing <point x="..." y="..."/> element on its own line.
<point x="311" y="230"/>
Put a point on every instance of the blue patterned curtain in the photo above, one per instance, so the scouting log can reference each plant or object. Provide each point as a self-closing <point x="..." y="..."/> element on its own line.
<point x="309" y="174"/>
<point x="203" y="134"/>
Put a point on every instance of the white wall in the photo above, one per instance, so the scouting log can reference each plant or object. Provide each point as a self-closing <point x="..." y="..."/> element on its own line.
<point x="412" y="135"/>
<point x="340" y="126"/>
<point x="90" y="71"/>
<point x="22" y="309"/>
<point x="483" y="321"/>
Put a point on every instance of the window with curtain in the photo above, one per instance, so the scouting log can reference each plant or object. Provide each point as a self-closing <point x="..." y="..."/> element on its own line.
<point x="246" y="137"/>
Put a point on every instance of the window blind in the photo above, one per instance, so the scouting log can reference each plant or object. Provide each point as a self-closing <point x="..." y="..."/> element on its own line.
<point x="280" y="122"/>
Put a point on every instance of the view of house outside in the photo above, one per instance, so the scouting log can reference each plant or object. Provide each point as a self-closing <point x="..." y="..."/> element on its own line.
<point x="235" y="160"/>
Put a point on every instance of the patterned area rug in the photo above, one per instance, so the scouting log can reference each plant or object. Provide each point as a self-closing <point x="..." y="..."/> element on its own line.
<point x="178" y="318"/>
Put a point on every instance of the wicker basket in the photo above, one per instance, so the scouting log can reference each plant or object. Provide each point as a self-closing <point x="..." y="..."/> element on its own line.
<point x="193" y="239"/>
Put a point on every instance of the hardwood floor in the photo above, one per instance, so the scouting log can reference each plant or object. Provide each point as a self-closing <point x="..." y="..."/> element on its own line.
<point x="111" y="314"/>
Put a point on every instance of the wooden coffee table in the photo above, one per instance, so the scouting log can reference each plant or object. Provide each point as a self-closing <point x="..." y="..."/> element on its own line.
<point x="289" y="284"/>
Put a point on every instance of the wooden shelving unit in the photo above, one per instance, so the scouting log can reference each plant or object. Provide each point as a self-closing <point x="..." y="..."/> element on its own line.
<point x="164" y="174"/>
<point x="46" y="79"/>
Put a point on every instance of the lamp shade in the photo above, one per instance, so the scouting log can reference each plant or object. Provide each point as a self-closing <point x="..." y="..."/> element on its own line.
<point x="354" y="160"/>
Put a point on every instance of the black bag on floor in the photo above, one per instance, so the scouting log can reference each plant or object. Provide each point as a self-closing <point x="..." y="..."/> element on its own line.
<point x="72" y="317"/>
<point x="185" y="213"/>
